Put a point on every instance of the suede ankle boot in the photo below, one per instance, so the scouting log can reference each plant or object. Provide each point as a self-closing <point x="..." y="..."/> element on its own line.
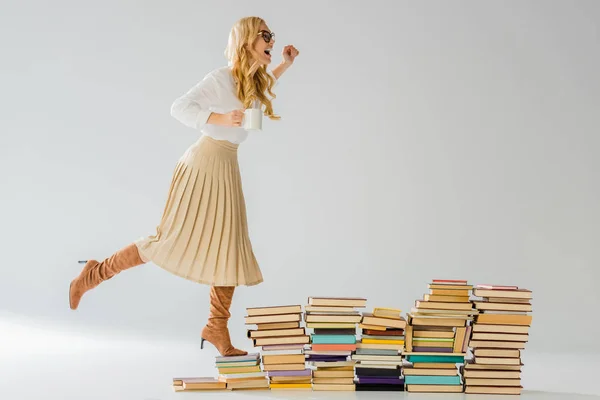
<point x="94" y="272"/>
<point x="216" y="331"/>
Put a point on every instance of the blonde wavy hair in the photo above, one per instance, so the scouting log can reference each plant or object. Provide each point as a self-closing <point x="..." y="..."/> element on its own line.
<point x="253" y="80"/>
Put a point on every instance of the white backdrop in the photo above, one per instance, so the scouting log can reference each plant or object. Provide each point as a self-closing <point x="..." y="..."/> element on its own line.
<point x="419" y="140"/>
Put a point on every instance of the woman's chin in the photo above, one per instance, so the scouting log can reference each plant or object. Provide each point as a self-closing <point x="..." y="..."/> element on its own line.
<point x="262" y="60"/>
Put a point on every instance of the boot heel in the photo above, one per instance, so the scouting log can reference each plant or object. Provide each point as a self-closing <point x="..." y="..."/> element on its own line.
<point x="202" y="343"/>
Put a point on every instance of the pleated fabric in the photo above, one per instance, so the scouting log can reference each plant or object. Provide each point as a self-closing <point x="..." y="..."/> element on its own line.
<point x="203" y="233"/>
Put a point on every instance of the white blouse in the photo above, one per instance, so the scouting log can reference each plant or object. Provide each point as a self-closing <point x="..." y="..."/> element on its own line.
<point x="214" y="93"/>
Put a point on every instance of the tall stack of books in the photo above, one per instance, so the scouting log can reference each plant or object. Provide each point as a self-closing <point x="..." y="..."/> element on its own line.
<point x="436" y="337"/>
<point x="282" y="339"/>
<point x="378" y="353"/>
<point x="500" y="333"/>
<point x="241" y="372"/>
<point x="333" y="321"/>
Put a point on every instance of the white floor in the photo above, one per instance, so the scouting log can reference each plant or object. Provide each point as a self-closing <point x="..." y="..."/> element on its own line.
<point x="37" y="363"/>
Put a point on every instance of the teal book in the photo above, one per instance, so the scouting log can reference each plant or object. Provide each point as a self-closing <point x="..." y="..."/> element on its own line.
<point x="333" y="339"/>
<point x="435" y="359"/>
<point x="432" y="380"/>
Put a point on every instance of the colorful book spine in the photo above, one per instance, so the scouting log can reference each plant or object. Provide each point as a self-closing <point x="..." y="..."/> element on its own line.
<point x="379" y="351"/>
<point x="439" y="327"/>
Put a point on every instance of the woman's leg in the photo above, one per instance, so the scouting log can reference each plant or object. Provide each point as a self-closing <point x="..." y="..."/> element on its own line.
<point x="216" y="331"/>
<point x="94" y="272"/>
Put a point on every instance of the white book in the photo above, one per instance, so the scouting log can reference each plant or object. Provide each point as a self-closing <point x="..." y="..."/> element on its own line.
<point x="368" y="357"/>
<point x="248" y="375"/>
<point x="281" y="352"/>
<point x="328" y="364"/>
<point x="368" y="362"/>
<point x="329" y="353"/>
<point x="382" y="366"/>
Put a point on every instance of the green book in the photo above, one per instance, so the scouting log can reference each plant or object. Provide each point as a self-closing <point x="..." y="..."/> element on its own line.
<point x="431" y="380"/>
<point x="333" y="339"/>
<point x="435" y="359"/>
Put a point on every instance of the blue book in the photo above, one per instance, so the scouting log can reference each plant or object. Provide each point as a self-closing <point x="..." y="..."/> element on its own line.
<point x="333" y="339"/>
<point x="432" y="380"/>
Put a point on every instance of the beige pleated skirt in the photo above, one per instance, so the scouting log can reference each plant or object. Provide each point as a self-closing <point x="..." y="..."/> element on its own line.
<point x="203" y="232"/>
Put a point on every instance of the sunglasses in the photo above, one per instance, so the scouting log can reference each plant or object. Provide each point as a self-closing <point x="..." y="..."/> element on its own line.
<point x="267" y="36"/>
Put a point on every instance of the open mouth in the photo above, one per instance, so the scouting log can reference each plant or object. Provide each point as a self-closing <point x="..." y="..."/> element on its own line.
<point x="268" y="52"/>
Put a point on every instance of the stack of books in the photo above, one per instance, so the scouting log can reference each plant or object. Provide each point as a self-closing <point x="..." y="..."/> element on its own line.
<point x="333" y="322"/>
<point x="437" y="336"/>
<point x="378" y="353"/>
<point x="282" y="339"/>
<point x="197" y="384"/>
<point x="241" y="372"/>
<point x="500" y="333"/>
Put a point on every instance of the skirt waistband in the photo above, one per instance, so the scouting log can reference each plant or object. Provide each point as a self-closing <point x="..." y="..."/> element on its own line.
<point x="226" y="144"/>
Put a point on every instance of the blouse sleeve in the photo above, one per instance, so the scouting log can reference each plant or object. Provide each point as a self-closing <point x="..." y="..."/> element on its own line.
<point x="270" y="72"/>
<point x="193" y="108"/>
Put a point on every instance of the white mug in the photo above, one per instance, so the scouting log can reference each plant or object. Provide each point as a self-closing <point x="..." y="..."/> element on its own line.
<point x="253" y="119"/>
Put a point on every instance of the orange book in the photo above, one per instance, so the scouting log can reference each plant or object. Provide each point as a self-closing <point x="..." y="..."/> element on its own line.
<point x="504" y="319"/>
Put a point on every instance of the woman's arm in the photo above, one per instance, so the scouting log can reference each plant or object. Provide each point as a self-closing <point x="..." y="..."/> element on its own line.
<point x="280" y="69"/>
<point x="289" y="55"/>
<point x="192" y="108"/>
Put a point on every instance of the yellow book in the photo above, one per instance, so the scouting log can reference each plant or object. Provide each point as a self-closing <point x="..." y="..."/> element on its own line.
<point x="291" y="386"/>
<point x="345" y="368"/>
<point x="382" y="341"/>
<point x="385" y="312"/>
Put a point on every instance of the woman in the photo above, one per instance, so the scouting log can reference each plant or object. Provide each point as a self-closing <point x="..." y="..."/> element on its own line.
<point x="203" y="234"/>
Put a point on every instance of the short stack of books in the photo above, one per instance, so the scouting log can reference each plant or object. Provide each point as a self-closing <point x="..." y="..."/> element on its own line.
<point x="286" y="367"/>
<point x="197" y="384"/>
<point x="282" y="340"/>
<point x="436" y="337"/>
<point x="378" y="353"/>
<point x="500" y="333"/>
<point x="334" y="322"/>
<point x="241" y="372"/>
